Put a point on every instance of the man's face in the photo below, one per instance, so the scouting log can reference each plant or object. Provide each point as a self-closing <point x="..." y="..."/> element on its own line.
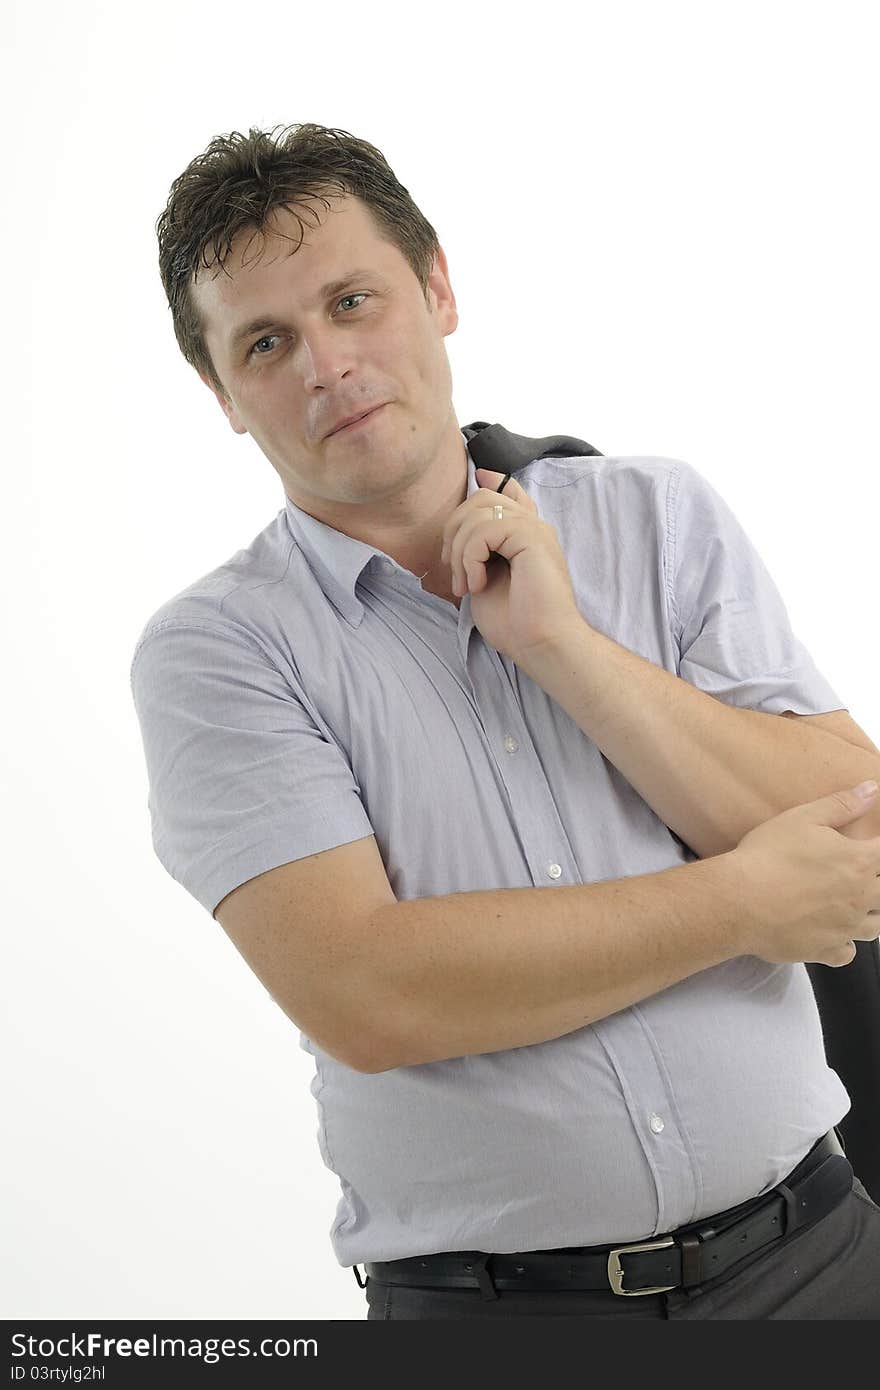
<point x="310" y="358"/>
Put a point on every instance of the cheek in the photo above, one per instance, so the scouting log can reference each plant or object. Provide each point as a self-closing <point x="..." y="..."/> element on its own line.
<point x="442" y="373"/>
<point x="427" y="360"/>
<point x="269" y="398"/>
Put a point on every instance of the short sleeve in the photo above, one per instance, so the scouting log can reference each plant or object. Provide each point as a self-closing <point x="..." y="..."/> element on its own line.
<point x="733" y="630"/>
<point x="241" y="778"/>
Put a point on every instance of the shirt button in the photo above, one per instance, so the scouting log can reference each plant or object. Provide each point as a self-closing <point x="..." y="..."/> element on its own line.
<point x="388" y="564"/>
<point x="657" y="1124"/>
<point x="511" y="744"/>
<point x="554" y="870"/>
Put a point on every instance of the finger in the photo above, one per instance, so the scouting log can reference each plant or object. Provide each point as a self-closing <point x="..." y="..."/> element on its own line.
<point x="488" y="478"/>
<point x="512" y="493"/>
<point x="461" y="577"/>
<point x="468" y="516"/>
<point x="477" y="539"/>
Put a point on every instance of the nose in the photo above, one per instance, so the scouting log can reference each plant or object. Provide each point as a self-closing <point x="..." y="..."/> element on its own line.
<point x="327" y="359"/>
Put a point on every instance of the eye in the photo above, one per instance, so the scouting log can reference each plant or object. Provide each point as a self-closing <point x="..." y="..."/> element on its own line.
<point x="269" y="336"/>
<point x="267" y="339"/>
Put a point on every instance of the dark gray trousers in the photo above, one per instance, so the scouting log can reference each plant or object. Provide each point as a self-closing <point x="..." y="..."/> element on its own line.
<point x="831" y="1270"/>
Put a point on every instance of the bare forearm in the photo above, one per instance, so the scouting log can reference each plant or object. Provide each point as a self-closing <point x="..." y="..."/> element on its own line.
<point x="481" y="972"/>
<point x="711" y="772"/>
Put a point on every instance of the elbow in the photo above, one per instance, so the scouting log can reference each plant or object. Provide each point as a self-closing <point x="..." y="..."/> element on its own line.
<point x="387" y="1053"/>
<point x="373" y="1069"/>
<point x="376" y="1055"/>
<point x="348" y="1037"/>
<point x="365" y="1051"/>
<point x="368" y="1063"/>
<point x="404" y="1053"/>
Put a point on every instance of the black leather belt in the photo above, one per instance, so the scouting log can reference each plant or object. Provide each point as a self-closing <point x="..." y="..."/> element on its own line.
<point x="684" y="1258"/>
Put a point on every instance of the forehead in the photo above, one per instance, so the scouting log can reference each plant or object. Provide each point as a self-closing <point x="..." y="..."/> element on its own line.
<point x="291" y="259"/>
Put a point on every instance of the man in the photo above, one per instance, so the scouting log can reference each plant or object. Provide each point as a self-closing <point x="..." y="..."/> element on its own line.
<point x="377" y="732"/>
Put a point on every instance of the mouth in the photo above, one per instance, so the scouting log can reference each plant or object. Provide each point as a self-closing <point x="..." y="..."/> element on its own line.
<point x="357" y="424"/>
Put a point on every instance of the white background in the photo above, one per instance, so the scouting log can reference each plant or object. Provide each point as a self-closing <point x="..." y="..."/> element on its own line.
<point x="661" y="228"/>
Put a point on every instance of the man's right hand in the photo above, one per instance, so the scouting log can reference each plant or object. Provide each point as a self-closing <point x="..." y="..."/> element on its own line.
<point x="815" y="892"/>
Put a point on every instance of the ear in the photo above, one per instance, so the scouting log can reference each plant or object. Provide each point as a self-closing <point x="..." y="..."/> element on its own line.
<point x="225" y="405"/>
<point x="444" y="299"/>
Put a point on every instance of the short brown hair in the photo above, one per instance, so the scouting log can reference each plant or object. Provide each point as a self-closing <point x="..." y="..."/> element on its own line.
<point x="240" y="179"/>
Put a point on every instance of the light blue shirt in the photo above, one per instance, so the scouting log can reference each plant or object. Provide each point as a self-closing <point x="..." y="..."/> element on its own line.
<point x="308" y="692"/>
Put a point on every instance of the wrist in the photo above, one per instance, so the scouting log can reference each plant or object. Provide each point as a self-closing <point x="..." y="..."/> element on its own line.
<point x="748" y="913"/>
<point x="555" y="651"/>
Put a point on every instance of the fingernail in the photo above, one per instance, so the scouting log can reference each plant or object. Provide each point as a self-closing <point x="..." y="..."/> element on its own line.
<point x="866" y="789"/>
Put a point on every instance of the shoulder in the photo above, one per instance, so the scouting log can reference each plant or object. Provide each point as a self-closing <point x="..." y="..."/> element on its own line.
<point x="604" y="470"/>
<point x="605" y="494"/>
<point x="226" y="599"/>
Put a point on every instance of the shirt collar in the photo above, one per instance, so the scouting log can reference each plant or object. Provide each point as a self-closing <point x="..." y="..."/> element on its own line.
<point x="337" y="560"/>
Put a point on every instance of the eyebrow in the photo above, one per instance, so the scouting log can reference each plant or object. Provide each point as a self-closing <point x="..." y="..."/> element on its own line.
<point x="326" y="292"/>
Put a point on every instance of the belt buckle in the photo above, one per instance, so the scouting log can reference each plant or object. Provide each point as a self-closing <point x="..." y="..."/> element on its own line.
<point x="615" y="1272"/>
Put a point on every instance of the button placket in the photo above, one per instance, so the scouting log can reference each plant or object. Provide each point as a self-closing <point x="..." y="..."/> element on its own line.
<point x="488" y="671"/>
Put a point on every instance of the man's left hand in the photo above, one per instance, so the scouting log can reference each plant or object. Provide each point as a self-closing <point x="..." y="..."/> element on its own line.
<point x="522" y="600"/>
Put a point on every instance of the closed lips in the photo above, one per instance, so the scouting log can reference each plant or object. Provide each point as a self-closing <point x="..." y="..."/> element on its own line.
<point x="354" y="418"/>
